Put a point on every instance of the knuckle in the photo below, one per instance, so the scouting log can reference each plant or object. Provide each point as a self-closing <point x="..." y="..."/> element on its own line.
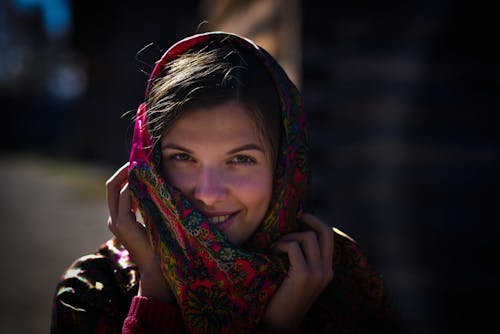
<point x="323" y="228"/>
<point x="286" y="246"/>
<point x="294" y="245"/>
<point x="111" y="184"/>
<point x="307" y="216"/>
<point x="310" y="235"/>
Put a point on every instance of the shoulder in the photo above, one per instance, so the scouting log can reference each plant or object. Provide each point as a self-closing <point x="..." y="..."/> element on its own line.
<point x="362" y="284"/>
<point x="109" y="266"/>
<point x="347" y="251"/>
<point x="351" y="265"/>
<point x="356" y="299"/>
<point x="96" y="284"/>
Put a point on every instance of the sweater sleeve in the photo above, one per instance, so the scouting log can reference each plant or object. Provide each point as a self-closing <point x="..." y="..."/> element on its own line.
<point x="147" y="315"/>
<point x="89" y="298"/>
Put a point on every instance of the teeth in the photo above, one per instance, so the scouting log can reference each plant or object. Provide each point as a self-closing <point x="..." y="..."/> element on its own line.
<point x="218" y="219"/>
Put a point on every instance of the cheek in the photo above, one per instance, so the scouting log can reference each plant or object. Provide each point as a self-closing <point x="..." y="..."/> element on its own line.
<point x="254" y="192"/>
<point x="177" y="178"/>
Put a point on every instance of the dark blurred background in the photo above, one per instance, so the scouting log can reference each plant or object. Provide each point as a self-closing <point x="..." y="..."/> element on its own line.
<point x="402" y="101"/>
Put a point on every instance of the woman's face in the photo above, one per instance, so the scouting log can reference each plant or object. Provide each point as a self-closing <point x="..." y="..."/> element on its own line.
<point x="217" y="159"/>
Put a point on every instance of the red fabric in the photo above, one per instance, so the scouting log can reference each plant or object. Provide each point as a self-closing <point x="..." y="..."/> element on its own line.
<point x="148" y="316"/>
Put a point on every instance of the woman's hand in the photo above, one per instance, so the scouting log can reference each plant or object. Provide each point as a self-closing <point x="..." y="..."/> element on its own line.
<point x="311" y="255"/>
<point x="132" y="234"/>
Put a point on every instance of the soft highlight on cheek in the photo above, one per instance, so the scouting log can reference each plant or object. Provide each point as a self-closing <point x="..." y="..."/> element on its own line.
<point x="256" y="191"/>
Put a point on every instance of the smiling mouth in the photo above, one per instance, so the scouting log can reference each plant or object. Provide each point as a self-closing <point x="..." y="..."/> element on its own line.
<point x="218" y="219"/>
<point x="222" y="222"/>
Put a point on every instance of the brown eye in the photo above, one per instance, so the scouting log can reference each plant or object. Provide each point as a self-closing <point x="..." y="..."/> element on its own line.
<point x="180" y="157"/>
<point x="243" y="160"/>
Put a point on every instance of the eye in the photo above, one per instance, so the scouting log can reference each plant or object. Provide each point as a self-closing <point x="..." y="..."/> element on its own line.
<point x="242" y="160"/>
<point x="180" y="157"/>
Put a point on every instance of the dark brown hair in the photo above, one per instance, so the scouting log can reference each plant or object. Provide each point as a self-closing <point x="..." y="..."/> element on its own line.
<point x="209" y="75"/>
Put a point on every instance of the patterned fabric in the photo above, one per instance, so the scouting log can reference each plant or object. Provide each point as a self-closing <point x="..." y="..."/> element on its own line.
<point x="219" y="286"/>
<point x="95" y="292"/>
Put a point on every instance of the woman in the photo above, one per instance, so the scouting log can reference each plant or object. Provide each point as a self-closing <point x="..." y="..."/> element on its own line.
<point x="219" y="170"/>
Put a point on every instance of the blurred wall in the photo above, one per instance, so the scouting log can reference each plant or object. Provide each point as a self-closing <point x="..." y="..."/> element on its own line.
<point x="402" y="101"/>
<point x="276" y="25"/>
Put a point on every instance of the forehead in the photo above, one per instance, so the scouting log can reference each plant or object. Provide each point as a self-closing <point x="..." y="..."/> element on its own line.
<point x="227" y="123"/>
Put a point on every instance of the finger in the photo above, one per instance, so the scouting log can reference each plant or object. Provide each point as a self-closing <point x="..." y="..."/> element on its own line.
<point x="295" y="255"/>
<point x="118" y="177"/>
<point x="310" y="246"/>
<point x="113" y="186"/>
<point x="325" y="236"/>
<point x="124" y="205"/>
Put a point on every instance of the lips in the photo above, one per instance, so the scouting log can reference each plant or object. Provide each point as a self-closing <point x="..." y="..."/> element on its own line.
<point x="221" y="220"/>
<point x="218" y="219"/>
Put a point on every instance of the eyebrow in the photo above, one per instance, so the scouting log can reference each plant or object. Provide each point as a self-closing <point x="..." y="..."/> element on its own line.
<point x="175" y="147"/>
<point x="245" y="147"/>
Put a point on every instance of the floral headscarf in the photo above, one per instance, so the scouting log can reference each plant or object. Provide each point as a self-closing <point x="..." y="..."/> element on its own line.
<point x="218" y="285"/>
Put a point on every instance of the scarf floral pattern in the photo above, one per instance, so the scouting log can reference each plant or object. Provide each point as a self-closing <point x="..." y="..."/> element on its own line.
<point x="221" y="287"/>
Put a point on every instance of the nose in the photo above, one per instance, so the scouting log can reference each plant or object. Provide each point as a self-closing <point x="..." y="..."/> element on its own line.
<point x="210" y="187"/>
